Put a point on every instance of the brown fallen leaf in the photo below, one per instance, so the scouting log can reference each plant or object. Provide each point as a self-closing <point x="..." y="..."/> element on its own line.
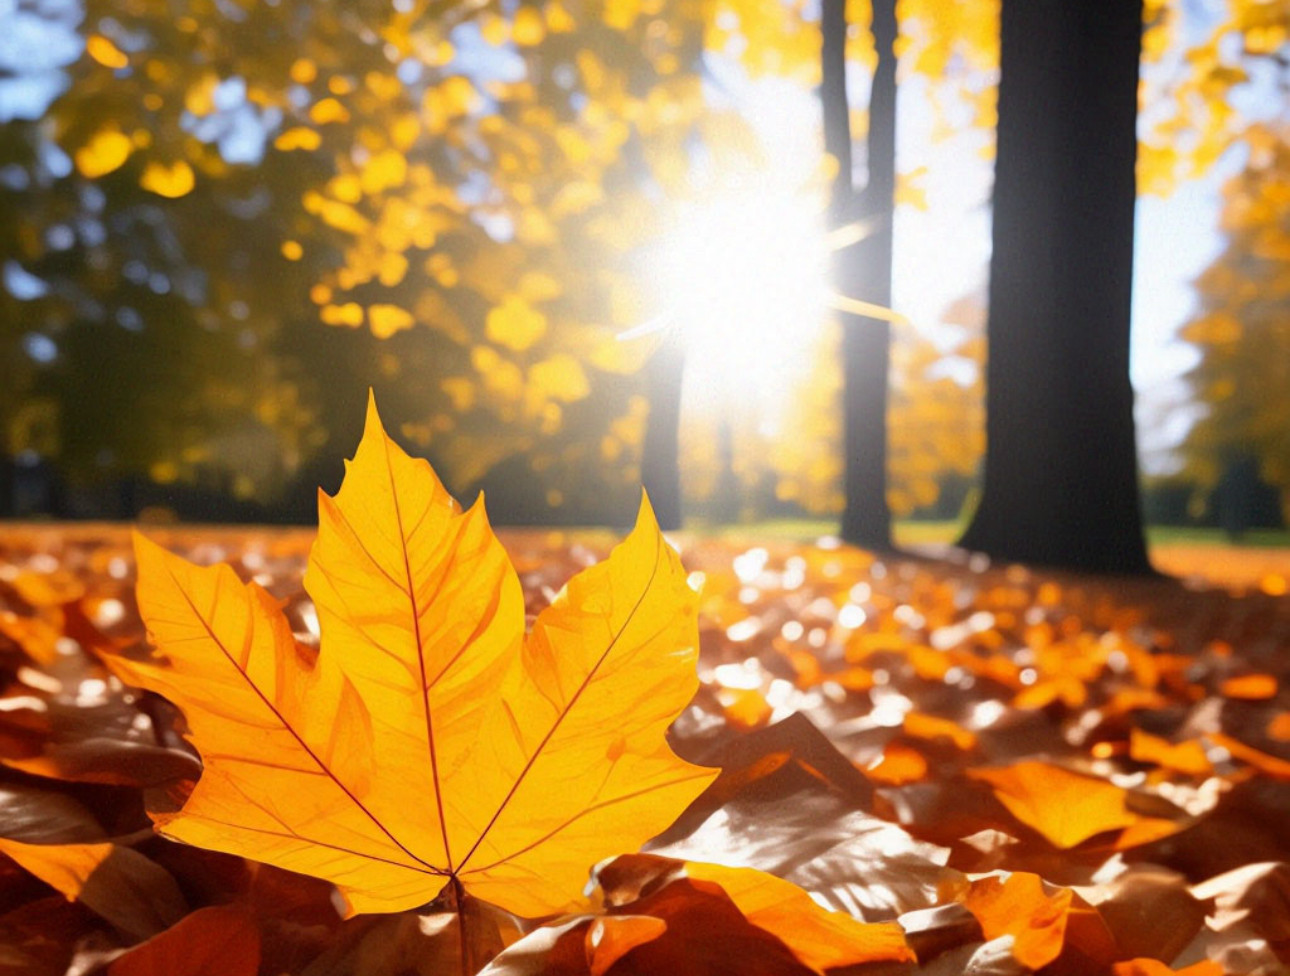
<point x="106" y="741"/>
<point x="704" y="934"/>
<point x="40" y="937"/>
<point x="117" y="883"/>
<point x="802" y="818"/>
<point x="1149" y="911"/>
<point x="41" y="816"/>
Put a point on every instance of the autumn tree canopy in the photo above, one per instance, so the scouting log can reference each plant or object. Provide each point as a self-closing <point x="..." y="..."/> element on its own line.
<point x="1242" y="328"/>
<point x="227" y="226"/>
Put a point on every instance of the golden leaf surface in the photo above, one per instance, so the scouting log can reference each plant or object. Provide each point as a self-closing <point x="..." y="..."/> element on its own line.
<point x="822" y="939"/>
<point x="1065" y="807"/>
<point x="429" y="739"/>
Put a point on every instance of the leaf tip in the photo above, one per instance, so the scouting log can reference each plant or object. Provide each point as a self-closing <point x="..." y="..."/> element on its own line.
<point x="645" y="517"/>
<point x="372" y="426"/>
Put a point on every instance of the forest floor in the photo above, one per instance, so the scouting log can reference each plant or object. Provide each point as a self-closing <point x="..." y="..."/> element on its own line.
<point x="1029" y="771"/>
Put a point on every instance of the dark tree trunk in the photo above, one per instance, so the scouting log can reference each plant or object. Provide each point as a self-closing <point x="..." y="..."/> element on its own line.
<point x="864" y="270"/>
<point x="1061" y="468"/>
<point x="660" y="465"/>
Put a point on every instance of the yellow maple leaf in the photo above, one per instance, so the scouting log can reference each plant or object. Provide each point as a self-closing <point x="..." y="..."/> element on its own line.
<point x="429" y="741"/>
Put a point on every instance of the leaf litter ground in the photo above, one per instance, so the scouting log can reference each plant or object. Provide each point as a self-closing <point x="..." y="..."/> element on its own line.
<point x="1025" y="771"/>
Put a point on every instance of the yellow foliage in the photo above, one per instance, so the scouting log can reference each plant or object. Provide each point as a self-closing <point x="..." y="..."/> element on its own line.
<point x="350" y="314"/>
<point x="105" y="152"/>
<point x="328" y="111"/>
<point x="102" y="50"/>
<point x="528" y="29"/>
<point x="174" y="180"/>
<point x="386" y="320"/>
<point x="515" y="324"/>
<point x="303" y="71"/>
<point x="384" y="171"/>
<point x="560" y="378"/>
<point x="299" y="137"/>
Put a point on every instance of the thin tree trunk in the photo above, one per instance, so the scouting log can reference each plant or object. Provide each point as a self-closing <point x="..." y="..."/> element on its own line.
<point x="660" y="465"/>
<point x="864" y="270"/>
<point x="1060" y="468"/>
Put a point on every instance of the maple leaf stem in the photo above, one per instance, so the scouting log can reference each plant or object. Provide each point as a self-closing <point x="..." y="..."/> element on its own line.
<point x="468" y="967"/>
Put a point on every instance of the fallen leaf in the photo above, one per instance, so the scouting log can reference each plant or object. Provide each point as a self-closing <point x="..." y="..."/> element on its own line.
<point x="609" y="939"/>
<point x="1149" y="911"/>
<point x="1066" y="808"/>
<point x="40" y="937"/>
<point x="1250" y="687"/>
<point x="923" y="726"/>
<point x="135" y="894"/>
<point x="704" y="934"/>
<point x="1154" y="967"/>
<point x="62" y="736"/>
<point x="1018" y="905"/>
<point x="1272" y="765"/>
<point x="37" y="816"/>
<point x="1184" y="757"/>
<point x="820" y="938"/>
<point x="801" y="818"/>
<point x="532" y="759"/>
<point x="217" y="941"/>
<point x="897" y="765"/>
<point x="406" y="943"/>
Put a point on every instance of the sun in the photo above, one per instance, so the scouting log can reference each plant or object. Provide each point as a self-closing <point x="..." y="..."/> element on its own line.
<point x="743" y="279"/>
<point x="743" y="282"/>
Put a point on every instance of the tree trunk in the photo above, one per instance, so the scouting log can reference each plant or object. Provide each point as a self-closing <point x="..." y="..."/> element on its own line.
<point x="1060" y="467"/>
<point x="864" y="270"/>
<point x="660" y="465"/>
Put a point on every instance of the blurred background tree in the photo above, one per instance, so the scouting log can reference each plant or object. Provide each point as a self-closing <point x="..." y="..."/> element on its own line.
<point x="1240" y="446"/>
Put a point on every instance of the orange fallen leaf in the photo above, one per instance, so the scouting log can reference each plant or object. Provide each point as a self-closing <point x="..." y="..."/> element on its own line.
<point x="899" y="764"/>
<point x="1154" y="967"/>
<point x="1250" y="687"/>
<point x="745" y="708"/>
<point x="1019" y="906"/>
<point x="119" y="884"/>
<point x="1147" y="830"/>
<point x="820" y="938"/>
<point x="1066" y="808"/>
<point x="49" y="589"/>
<point x="1183" y="757"/>
<point x="429" y="741"/>
<point x="1271" y="765"/>
<point x="1279" y="727"/>
<point x="64" y="867"/>
<point x="218" y="941"/>
<point x="610" y="938"/>
<point x="923" y="726"/>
